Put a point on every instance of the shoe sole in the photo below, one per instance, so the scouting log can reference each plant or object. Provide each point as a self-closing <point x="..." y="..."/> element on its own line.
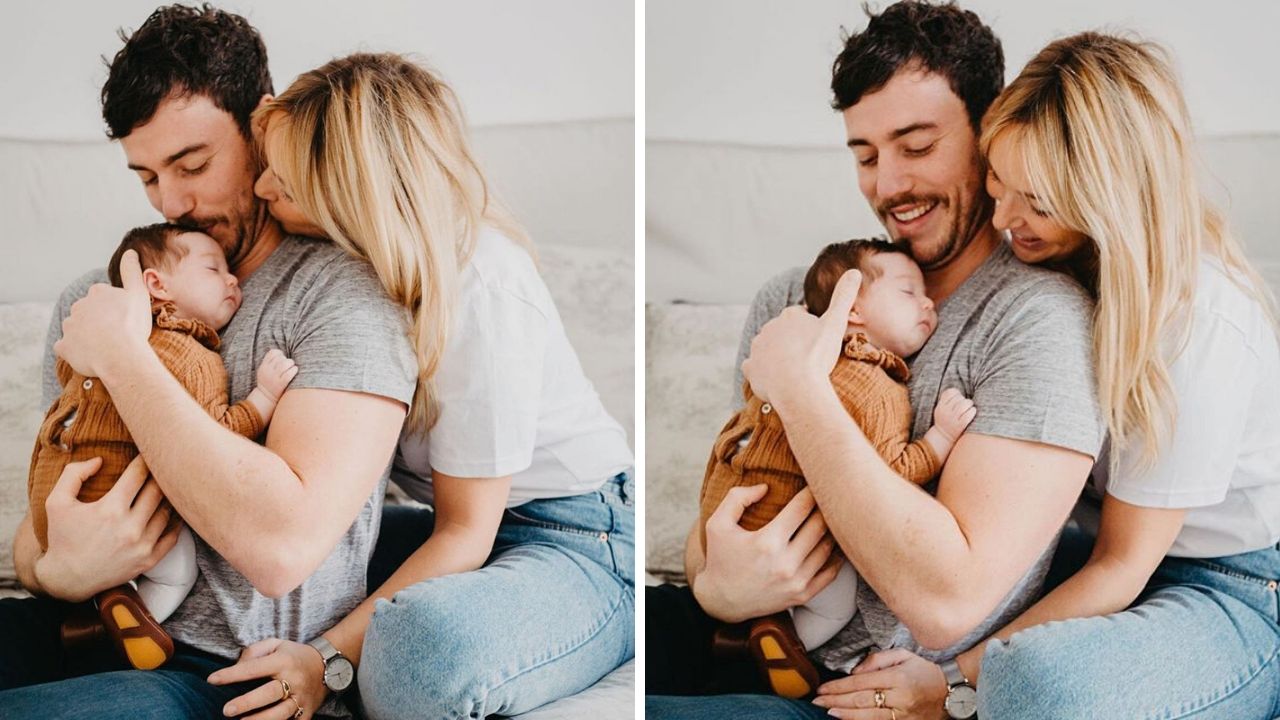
<point x="142" y="652"/>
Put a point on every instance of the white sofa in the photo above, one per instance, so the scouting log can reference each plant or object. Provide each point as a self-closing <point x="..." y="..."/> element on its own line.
<point x="66" y="205"/>
<point x="720" y="219"/>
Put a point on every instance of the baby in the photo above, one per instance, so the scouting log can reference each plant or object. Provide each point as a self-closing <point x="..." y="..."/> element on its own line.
<point x="891" y="319"/>
<point x="193" y="295"/>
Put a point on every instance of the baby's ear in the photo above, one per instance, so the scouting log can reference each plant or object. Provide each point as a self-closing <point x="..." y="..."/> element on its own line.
<point x="854" y="316"/>
<point x="155" y="284"/>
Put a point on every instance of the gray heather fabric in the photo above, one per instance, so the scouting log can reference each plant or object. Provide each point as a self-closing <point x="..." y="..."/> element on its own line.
<point x="328" y="312"/>
<point x="1016" y="339"/>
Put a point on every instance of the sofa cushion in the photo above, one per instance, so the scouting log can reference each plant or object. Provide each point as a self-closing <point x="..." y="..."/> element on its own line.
<point x="689" y="357"/>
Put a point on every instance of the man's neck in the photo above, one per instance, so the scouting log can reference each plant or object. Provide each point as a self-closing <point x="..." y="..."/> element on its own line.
<point x="268" y="239"/>
<point x="939" y="284"/>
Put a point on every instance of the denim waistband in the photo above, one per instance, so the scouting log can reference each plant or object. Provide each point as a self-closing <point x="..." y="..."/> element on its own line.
<point x="620" y="487"/>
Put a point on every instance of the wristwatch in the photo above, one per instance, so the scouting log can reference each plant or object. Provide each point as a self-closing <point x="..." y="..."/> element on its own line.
<point x="962" y="699"/>
<point x="338" y="670"/>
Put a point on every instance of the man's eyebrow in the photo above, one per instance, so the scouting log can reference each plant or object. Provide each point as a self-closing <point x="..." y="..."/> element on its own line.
<point x="174" y="157"/>
<point x="900" y="132"/>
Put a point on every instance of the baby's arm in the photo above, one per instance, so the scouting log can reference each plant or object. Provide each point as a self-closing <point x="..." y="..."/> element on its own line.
<point x="274" y="375"/>
<point x="950" y="418"/>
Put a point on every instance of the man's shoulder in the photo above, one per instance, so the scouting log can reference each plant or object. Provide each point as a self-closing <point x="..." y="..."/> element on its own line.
<point x="783" y="289"/>
<point x="1018" y="294"/>
<point x="79" y="287"/>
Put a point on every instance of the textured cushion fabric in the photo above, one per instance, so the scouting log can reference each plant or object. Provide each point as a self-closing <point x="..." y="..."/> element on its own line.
<point x="22" y="330"/>
<point x="612" y="698"/>
<point x="689" y="356"/>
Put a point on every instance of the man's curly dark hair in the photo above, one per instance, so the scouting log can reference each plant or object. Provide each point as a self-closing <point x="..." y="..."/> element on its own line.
<point x="942" y="39"/>
<point x="188" y="51"/>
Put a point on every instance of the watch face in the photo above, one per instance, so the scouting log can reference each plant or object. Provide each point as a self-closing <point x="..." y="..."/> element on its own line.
<point x="338" y="674"/>
<point x="962" y="702"/>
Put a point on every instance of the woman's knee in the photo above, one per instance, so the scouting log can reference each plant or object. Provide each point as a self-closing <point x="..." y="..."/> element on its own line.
<point x="419" y="659"/>
<point x="1025" y="677"/>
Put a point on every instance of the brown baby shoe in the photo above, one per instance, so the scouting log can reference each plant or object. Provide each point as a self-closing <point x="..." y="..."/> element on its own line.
<point x="136" y="634"/>
<point x="781" y="658"/>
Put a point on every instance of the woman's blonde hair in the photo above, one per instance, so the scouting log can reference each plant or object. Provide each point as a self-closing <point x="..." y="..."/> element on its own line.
<point x="374" y="150"/>
<point x="1104" y="133"/>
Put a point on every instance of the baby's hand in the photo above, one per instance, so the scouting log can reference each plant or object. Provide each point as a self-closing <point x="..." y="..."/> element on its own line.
<point x="953" y="414"/>
<point x="275" y="374"/>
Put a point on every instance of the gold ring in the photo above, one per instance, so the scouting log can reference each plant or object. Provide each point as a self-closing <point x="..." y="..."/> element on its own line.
<point x="284" y="689"/>
<point x="297" y="713"/>
<point x="879" y="698"/>
<point x="893" y="714"/>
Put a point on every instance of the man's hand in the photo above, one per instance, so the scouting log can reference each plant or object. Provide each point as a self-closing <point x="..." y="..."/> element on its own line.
<point x="108" y="323"/>
<point x="97" y="545"/>
<point x="748" y="573"/>
<point x="275" y="373"/>
<point x="796" y="349"/>
<point x="953" y="414"/>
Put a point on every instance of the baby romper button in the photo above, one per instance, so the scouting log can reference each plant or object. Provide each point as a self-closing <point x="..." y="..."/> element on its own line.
<point x="87" y="385"/>
<point x="766" y="408"/>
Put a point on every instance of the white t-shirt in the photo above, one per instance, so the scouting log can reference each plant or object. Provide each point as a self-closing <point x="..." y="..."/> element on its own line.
<point x="1223" y="461"/>
<point x="512" y="395"/>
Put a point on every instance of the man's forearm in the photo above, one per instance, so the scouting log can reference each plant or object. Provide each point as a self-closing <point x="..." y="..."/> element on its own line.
<point x="237" y="495"/>
<point x="906" y="544"/>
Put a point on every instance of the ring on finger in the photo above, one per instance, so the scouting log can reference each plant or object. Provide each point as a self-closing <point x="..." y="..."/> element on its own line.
<point x="297" y="709"/>
<point x="893" y="714"/>
<point x="284" y="689"/>
<point x="879" y="696"/>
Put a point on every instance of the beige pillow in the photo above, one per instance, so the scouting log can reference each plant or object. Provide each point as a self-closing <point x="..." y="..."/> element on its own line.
<point x="689" y="356"/>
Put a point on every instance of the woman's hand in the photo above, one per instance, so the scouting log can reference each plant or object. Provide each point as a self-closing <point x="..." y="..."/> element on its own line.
<point x="913" y="689"/>
<point x="749" y="574"/>
<point x="97" y="545"/>
<point x="273" y="660"/>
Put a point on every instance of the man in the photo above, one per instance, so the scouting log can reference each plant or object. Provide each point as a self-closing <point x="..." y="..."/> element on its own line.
<point x="284" y="530"/>
<point x="950" y="567"/>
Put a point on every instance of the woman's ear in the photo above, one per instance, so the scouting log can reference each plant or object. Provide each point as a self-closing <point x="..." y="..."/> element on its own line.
<point x="155" y="284"/>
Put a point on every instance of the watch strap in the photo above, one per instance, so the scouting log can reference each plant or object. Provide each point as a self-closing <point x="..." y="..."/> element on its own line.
<point x="326" y="648"/>
<point x="954" y="675"/>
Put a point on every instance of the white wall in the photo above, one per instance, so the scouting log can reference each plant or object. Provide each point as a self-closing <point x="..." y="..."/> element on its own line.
<point x="758" y="72"/>
<point x="511" y="62"/>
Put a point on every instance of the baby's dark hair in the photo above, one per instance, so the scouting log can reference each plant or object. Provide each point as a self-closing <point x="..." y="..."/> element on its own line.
<point x="152" y="242"/>
<point x="837" y="258"/>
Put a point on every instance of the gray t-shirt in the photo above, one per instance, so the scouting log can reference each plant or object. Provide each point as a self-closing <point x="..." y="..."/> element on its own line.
<point x="1016" y="339"/>
<point x="329" y="313"/>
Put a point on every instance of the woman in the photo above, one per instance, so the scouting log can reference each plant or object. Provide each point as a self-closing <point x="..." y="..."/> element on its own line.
<point x="1174" y="613"/>
<point x="518" y="589"/>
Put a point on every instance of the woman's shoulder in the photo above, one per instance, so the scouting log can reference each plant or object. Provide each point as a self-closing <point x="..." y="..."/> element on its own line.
<point x="499" y="264"/>
<point x="1226" y="298"/>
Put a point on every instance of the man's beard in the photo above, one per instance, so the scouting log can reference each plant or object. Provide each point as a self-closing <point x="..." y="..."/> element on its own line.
<point x="244" y="229"/>
<point x="960" y="231"/>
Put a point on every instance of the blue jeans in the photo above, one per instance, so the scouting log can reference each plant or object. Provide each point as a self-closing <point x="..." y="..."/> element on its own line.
<point x="730" y="707"/>
<point x="1202" y="641"/>
<point x="39" y="680"/>
<point x="551" y="612"/>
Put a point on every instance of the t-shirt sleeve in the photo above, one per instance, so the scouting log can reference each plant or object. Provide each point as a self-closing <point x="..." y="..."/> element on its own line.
<point x="349" y="335"/>
<point x="1036" y="379"/>
<point x="1213" y="380"/>
<point x="51" y="388"/>
<point x="489" y="386"/>
<point x="784" y="289"/>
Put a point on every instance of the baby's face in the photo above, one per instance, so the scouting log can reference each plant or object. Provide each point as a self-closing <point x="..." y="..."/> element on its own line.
<point x="200" y="285"/>
<point x="896" y="314"/>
